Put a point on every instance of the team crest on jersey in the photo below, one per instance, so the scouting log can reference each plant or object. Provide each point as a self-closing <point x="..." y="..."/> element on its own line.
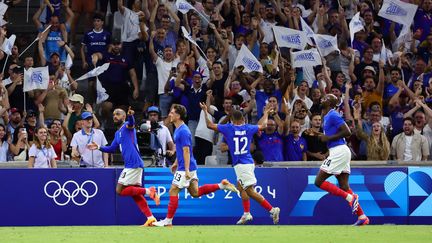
<point x="301" y="146"/>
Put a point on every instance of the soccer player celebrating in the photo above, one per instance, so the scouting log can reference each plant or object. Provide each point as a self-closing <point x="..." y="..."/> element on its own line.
<point x="130" y="181"/>
<point x="185" y="167"/>
<point x="338" y="161"/>
<point x="238" y="136"/>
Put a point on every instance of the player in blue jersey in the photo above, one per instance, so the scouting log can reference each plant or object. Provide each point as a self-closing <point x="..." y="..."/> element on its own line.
<point x="185" y="167"/>
<point x="338" y="161"/>
<point x="130" y="180"/>
<point x="239" y="136"/>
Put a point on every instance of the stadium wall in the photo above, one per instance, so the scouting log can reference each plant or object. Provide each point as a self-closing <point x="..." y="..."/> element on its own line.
<point x="388" y="195"/>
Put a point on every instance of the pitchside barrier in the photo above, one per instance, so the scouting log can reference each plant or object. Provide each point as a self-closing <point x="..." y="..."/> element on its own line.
<point x="389" y="194"/>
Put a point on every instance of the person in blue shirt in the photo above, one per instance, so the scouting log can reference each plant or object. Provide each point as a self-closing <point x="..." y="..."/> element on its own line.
<point x="338" y="161"/>
<point x="130" y="180"/>
<point x="239" y="136"/>
<point x="185" y="167"/>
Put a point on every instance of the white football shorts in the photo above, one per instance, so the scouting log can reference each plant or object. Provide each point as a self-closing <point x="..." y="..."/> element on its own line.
<point x="338" y="160"/>
<point x="245" y="175"/>
<point x="131" y="176"/>
<point x="180" y="179"/>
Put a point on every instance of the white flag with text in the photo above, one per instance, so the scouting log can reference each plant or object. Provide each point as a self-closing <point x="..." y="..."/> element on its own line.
<point x="246" y="59"/>
<point x="184" y="6"/>
<point x="306" y="58"/>
<point x="36" y="78"/>
<point x="355" y="26"/>
<point x="398" y="11"/>
<point x="309" y="32"/>
<point x="8" y="44"/>
<point x="291" y="38"/>
<point x="326" y="44"/>
<point x="95" y="72"/>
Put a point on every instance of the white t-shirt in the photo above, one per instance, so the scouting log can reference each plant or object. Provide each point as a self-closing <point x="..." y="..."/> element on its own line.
<point x="164" y="137"/>
<point x="408" y="153"/>
<point x="163" y="70"/>
<point x="267" y="28"/>
<point x="42" y="156"/>
<point x="202" y="131"/>
<point x="306" y="100"/>
<point x="89" y="157"/>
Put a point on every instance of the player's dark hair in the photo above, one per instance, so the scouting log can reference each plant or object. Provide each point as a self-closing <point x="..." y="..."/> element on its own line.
<point x="181" y="110"/>
<point x="409" y="119"/>
<point x="237" y="115"/>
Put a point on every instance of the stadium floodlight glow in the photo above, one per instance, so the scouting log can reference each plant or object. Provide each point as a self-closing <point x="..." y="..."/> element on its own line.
<point x="61" y="189"/>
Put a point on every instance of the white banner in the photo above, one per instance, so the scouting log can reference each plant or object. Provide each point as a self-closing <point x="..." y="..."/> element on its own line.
<point x="309" y="32"/>
<point x="246" y="59"/>
<point x="398" y="11"/>
<point x="101" y="92"/>
<point x="188" y="36"/>
<point x="306" y="58"/>
<point x="68" y="63"/>
<point x="95" y="72"/>
<point x="8" y="44"/>
<point x="184" y="6"/>
<point x="291" y="38"/>
<point x="355" y="26"/>
<point x="326" y="44"/>
<point x="36" y="78"/>
<point x="3" y="9"/>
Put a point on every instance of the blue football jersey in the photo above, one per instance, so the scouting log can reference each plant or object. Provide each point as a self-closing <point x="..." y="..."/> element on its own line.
<point x="239" y="139"/>
<point x="183" y="138"/>
<point x="332" y="122"/>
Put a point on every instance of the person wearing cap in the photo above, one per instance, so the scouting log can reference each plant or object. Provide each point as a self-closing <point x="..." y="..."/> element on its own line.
<point x="15" y="120"/>
<point x="162" y="133"/>
<point x="89" y="135"/>
<point x="95" y="40"/>
<point x="115" y="78"/>
<point x="76" y="106"/>
<point x="373" y="92"/>
<point x="367" y="61"/>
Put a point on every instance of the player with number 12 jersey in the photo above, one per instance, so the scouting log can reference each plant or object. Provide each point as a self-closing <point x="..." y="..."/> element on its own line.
<point x="238" y="136"/>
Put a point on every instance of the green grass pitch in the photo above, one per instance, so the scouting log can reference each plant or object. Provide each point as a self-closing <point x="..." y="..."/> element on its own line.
<point x="176" y="234"/>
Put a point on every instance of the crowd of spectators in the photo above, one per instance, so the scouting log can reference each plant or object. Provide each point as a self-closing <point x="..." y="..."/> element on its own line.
<point x="386" y="99"/>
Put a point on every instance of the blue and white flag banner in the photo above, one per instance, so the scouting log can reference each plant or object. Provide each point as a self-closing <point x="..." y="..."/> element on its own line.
<point x="326" y="44"/>
<point x="398" y="11"/>
<point x="309" y="32"/>
<point x="101" y="92"/>
<point x="184" y="6"/>
<point x="36" y="78"/>
<point x="291" y="38"/>
<point x="95" y="72"/>
<point x="355" y="26"/>
<point x="246" y="59"/>
<point x="8" y="44"/>
<point x="306" y="58"/>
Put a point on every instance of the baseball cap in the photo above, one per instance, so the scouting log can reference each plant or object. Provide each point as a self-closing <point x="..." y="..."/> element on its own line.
<point x="86" y="115"/>
<point x="115" y="40"/>
<point x="31" y="113"/>
<point x="14" y="110"/>
<point x="55" y="53"/>
<point x="153" y="109"/>
<point x="370" y="68"/>
<point x="77" y="98"/>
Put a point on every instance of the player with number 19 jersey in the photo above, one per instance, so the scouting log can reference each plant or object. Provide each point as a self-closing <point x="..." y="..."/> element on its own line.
<point x="238" y="139"/>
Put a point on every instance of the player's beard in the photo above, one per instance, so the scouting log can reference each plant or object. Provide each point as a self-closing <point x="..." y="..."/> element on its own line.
<point x="118" y="123"/>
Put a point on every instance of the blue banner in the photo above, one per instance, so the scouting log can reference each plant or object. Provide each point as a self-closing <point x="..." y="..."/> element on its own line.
<point x="396" y="195"/>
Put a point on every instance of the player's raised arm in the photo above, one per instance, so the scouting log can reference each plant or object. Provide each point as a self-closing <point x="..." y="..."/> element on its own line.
<point x="130" y="118"/>
<point x="209" y="123"/>
<point x="343" y="132"/>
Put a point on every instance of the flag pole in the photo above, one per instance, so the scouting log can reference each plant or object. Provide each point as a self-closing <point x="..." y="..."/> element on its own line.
<point x="37" y="38"/>
<point x="4" y="65"/>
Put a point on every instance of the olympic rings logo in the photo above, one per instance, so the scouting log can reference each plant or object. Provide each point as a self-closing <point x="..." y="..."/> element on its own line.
<point x="70" y="196"/>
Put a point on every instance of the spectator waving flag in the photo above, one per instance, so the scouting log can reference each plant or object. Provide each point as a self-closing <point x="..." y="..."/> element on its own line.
<point x="306" y="58"/>
<point x="326" y="44"/>
<point x="189" y="38"/>
<point x="309" y="32"/>
<point x="100" y="92"/>
<point x="246" y="59"/>
<point x="8" y="44"/>
<point x="95" y="72"/>
<point x="355" y="26"/>
<point x="184" y="6"/>
<point x="36" y="78"/>
<point x="291" y="38"/>
<point x="398" y="11"/>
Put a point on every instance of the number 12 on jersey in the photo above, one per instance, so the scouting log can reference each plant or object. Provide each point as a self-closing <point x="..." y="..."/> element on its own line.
<point x="241" y="144"/>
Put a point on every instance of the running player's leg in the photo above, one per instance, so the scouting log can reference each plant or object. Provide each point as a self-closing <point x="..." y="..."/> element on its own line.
<point x="274" y="211"/>
<point x="209" y="188"/>
<point x="247" y="216"/>
<point x="172" y="207"/>
<point x="343" y="180"/>
<point x="320" y="181"/>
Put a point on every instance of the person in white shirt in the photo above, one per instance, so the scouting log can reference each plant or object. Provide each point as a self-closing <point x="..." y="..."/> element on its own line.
<point x="41" y="153"/>
<point x="88" y="135"/>
<point x="409" y="146"/>
<point x="4" y="145"/>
